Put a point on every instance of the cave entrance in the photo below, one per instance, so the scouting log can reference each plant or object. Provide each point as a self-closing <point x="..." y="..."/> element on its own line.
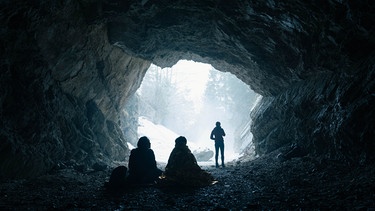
<point x="187" y="99"/>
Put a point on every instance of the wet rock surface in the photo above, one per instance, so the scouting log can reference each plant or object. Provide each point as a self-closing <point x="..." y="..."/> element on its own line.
<point x="262" y="184"/>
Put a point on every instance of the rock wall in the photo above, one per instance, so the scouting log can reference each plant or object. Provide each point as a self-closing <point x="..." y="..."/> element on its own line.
<point x="312" y="62"/>
<point x="63" y="87"/>
<point x="69" y="67"/>
<point x="129" y="119"/>
<point x="328" y="115"/>
<point x="270" y="45"/>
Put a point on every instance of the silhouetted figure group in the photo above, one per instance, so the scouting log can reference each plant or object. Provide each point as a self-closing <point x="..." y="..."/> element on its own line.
<point x="182" y="168"/>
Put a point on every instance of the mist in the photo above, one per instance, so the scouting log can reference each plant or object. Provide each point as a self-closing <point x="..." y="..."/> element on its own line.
<point x="190" y="97"/>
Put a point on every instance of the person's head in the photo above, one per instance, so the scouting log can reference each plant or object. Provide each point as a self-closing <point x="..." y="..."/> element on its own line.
<point x="144" y="143"/>
<point x="180" y="141"/>
<point x="218" y="124"/>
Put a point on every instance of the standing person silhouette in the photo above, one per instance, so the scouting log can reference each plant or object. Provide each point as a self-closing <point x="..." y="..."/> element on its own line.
<point x="217" y="135"/>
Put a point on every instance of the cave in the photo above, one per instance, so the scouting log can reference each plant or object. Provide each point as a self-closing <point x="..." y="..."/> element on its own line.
<point x="68" y="68"/>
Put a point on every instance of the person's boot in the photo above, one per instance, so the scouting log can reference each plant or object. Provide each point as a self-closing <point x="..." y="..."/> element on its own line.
<point x="223" y="165"/>
<point x="217" y="165"/>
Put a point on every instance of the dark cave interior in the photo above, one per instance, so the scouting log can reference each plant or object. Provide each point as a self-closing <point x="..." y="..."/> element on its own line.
<point x="69" y="67"/>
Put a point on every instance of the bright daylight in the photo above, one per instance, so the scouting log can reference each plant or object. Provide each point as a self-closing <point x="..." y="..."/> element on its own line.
<point x="187" y="100"/>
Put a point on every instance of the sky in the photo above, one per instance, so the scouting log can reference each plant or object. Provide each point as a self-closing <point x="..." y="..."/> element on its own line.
<point x="192" y="76"/>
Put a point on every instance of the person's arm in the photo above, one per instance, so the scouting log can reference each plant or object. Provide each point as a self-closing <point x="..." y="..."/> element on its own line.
<point x="212" y="135"/>
<point x="223" y="132"/>
<point x="131" y="164"/>
<point x="153" y="159"/>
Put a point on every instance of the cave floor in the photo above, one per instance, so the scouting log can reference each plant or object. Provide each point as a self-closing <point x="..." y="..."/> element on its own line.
<point x="262" y="184"/>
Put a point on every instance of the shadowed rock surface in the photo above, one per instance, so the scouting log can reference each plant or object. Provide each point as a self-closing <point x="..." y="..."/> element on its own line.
<point x="263" y="184"/>
<point x="68" y="68"/>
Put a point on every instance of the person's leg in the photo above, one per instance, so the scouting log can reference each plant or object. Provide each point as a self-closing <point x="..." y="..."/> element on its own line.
<point x="216" y="155"/>
<point x="222" y="154"/>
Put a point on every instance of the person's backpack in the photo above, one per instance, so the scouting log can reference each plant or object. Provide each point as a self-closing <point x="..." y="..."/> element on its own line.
<point x="118" y="178"/>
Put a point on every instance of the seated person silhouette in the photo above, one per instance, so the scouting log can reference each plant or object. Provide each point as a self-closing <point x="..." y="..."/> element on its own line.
<point x="142" y="164"/>
<point x="182" y="168"/>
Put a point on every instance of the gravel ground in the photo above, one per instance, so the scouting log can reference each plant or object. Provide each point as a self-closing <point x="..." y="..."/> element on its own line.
<point x="265" y="183"/>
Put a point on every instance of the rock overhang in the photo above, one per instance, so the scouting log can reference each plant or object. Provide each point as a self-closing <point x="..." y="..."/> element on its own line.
<point x="269" y="45"/>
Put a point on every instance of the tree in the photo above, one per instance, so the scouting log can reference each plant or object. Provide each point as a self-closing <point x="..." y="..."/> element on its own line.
<point x="163" y="102"/>
<point x="228" y="100"/>
<point x="228" y="95"/>
<point x="155" y="93"/>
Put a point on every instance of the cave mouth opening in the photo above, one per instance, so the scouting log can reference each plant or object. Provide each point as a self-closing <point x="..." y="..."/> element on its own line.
<point x="188" y="99"/>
